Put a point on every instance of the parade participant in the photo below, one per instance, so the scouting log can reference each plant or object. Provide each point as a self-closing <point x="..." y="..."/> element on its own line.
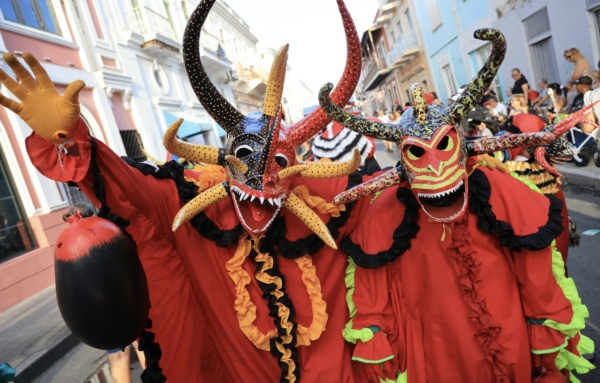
<point x="452" y="276"/>
<point x="337" y="144"/>
<point x="536" y="164"/>
<point x="206" y="312"/>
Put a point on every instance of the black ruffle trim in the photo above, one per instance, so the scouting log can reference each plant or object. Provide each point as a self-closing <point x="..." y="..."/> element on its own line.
<point x="188" y="191"/>
<point x="479" y="202"/>
<point x="311" y="244"/>
<point x="272" y="302"/>
<point x="152" y="373"/>
<point x="403" y="235"/>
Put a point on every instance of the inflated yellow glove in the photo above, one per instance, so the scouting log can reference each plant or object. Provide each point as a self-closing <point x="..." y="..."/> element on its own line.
<point x="52" y="116"/>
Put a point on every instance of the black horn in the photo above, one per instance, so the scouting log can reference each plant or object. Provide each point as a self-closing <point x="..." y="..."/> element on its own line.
<point x="215" y="104"/>
<point x="474" y="92"/>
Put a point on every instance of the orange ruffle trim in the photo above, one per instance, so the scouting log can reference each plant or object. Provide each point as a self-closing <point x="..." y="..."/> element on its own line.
<point x="246" y="309"/>
<point x="206" y="176"/>
<point x="318" y="203"/>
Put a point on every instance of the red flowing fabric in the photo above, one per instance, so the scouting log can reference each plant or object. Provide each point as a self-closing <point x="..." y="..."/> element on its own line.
<point x="457" y="301"/>
<point x="191" y="292"/>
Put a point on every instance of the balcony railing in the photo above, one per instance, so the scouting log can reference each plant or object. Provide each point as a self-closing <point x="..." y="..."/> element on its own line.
<point x="211" y="42"/>
<point x="145" y="21"/>
<point x="405" y="43"/>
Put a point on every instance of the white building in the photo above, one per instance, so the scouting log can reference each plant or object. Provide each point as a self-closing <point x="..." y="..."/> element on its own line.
<point x="129" y="54"/>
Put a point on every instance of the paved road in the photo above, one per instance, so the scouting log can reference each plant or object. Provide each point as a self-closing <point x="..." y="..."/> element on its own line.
<point x="583" y="262"/>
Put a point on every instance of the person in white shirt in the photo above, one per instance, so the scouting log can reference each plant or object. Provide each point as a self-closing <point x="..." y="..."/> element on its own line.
<point x="496" y="108"/>
<point x="384" y="118"/>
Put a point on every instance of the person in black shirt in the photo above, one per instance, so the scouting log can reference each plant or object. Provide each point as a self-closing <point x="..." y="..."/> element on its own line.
<point x="521" y="85"/>
<point x="584" y="85"/>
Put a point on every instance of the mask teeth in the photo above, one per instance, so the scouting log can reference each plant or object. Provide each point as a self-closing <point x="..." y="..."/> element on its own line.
<point x="451" y="218"/>
<point x="441" y="194"/>
<point x="242" y="196"/>
<point x="277" y="201"/>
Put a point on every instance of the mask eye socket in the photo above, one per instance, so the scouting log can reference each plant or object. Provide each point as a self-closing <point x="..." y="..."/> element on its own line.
<point x="446" y="144"/>
<point x="416" y="151"/>
<point x="282" y="160"/>
<point x="243" y="151"/>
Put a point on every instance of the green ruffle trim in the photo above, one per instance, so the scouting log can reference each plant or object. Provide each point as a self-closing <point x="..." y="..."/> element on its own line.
<point x="402" y="378"/>
<point x="550" y="351"/>
<point x="373" y="361"/>
<point x="351" y="335"/>
<point x="565" y="358"/>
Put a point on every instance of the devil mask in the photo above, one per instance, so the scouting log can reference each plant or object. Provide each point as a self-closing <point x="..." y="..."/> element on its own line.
<point x="260" y="152"/>
<point x="433" y="149"/>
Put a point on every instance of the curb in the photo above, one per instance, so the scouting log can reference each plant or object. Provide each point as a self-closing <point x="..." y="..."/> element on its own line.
<point x="581" y="177"/>
<point x="38" y="363"/>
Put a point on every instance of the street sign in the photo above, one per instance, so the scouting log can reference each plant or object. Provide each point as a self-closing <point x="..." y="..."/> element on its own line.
<point x="380" y="95"/>
<point x="366" y="105"/>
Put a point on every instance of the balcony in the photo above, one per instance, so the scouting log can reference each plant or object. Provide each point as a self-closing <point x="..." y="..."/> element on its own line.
<point x="390" y="8"/>
<point x="213" y="56"/>
<point x="375" y="75"/>
<point x="157" y="31"/>
<point x="252" y="80"/>
<point x="405" y="47"/>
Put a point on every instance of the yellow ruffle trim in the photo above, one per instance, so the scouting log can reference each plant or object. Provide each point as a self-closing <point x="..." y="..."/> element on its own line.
<point x="246" y="309"/>
<point x="538" y="179"/>
<point x="318" y="203"/>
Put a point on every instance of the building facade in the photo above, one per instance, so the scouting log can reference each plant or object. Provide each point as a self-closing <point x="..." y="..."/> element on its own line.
<point x="128" y="52"/>
<point x="394" y="58"/>
<point x="537" y="32"/>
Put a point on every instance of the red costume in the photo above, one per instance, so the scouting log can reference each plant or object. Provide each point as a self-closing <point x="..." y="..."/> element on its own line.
<point x="453" y="275"/>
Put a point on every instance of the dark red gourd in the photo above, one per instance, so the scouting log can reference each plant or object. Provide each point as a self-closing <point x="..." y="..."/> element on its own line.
<point x="101" y="286"/>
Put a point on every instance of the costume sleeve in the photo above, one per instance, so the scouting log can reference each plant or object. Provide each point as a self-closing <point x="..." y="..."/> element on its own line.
<point x="371" y="321"/>
<point x="128" y="192"/>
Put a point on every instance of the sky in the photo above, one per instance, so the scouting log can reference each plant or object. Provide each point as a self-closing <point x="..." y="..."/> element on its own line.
<point x="314" y="30"/>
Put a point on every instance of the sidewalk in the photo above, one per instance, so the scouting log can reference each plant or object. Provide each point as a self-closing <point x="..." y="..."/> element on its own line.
<point x="33" y="335"/>
<point x="587" y="177"/>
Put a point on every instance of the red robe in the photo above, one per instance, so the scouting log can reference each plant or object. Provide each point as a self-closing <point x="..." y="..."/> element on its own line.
<point x="451" y="301"/>
<point x="191" y="293"/>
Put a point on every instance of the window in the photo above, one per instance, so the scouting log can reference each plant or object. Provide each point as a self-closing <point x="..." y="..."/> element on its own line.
<point x="400" y="27"/>
<point x="184" y="8"/>
<point x="393" y="36"/>
<point x="168" y="11"/>
<point x="15" y="233"/>
<point x="133" y="145"/>
<point x="409" y="19"/>
<point x="449" y="79"/>
<point x="37" y="14"/>
<point x="433" y="11"/>
<point x="396" y="94"/>
<point x="537" y="24"/>
<point x="543" y="60"/>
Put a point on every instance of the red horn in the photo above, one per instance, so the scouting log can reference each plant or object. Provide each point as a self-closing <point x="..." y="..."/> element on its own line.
<point x="540" y="157"/>
<point x="310" y="125"/>
<point x="565" y="125"/>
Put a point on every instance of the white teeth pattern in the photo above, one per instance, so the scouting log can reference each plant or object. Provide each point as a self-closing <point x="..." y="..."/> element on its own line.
<point x="444" y="193"/>
<point x="252" y="199"/>
<point x="274" y="201"/>
<point x="262" y="200"/>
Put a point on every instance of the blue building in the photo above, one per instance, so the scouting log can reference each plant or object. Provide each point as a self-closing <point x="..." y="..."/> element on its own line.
<point x="454" y="55"/>
<point x="537" y="32"/>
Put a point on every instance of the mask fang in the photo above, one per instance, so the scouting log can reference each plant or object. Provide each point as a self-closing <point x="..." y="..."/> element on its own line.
<point x="237" y="163"/>
<point x="196" y="153"/>
<point x="378" y="184"/>
<point x="333" y="170"/>
<point x="419" y="103"/>
<point x="292" y="171"/>
<point x="310" y="219"/>
<point x="202" y="202"/>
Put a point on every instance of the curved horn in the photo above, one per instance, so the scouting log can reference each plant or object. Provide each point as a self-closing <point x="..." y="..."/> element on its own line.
<point x="310" y="125"/>
<point x="215" y="104"/>
<point x="200" y="203"/>
<point x="276" y="82"/>
<point x="540" y="157"/>
<point x="474" y="92"/>
<point x="333" y="170"/>
<point x="196" y="153"/>
<point x="237" y="163"/>
<point x="378" y="184"/>
<point x="359" y="125"/>
<point x="419" y="103"/>
<point x="310" y="219"/>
